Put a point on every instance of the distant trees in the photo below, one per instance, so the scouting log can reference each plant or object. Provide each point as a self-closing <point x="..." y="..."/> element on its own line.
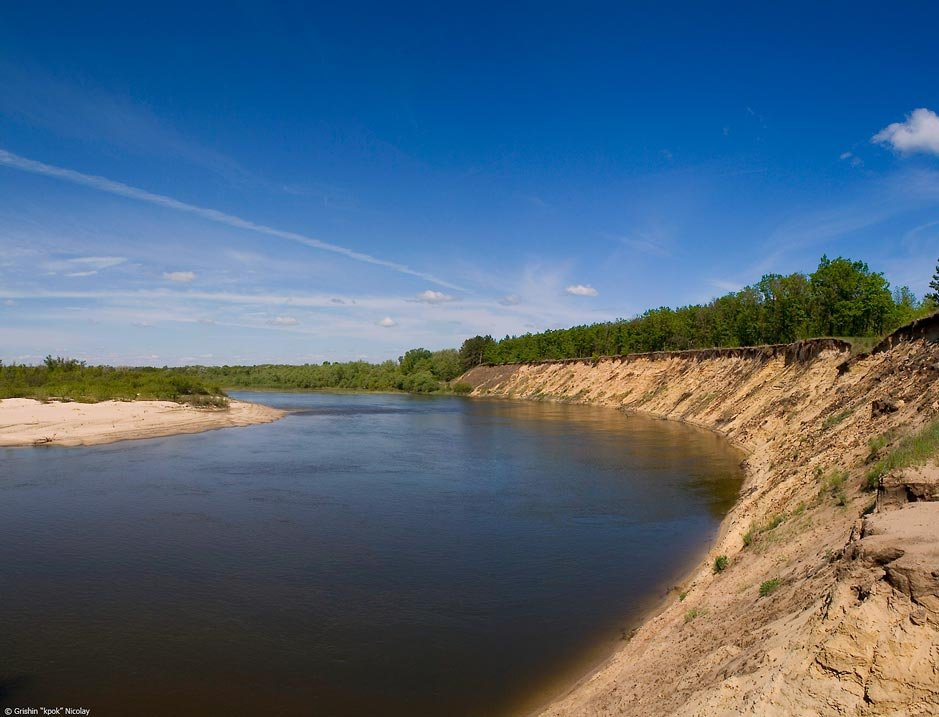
<point x="840" y="298"/>
<point x="418" y="371"/>
<point x="73" y="380"/>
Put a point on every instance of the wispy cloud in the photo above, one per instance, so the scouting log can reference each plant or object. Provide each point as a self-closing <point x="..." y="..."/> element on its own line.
<point x="852" y="158"/>
<point x="919" y="133"/>
<point x="82" y="265"/>
<point x="180" y="277"/>
<point x="80" y="110"/>
<point x="434" y="297"/>
<point x="283" y="321"/>
<point x="107" y="185"/>
<point x="581" y="290"/>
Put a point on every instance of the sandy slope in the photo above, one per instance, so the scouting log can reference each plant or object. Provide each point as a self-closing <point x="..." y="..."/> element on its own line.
<point x="25" y="422"/>
<point x="853" y="626"/>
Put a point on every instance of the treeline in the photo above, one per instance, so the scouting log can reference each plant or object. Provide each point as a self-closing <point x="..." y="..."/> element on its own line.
<point x="841" y="298"/>
<point x="418" y="371"/>
<point x="71" y="380"/>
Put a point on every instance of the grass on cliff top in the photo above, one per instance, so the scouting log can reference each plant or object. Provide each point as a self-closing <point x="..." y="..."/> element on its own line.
<point x="913" y="450"/>
<point x="70" y="380"/>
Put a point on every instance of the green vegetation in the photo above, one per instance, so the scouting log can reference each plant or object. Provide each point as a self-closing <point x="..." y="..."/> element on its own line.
<point x="768" y="587"/>
<point x="755" y="530"/>
<point x="913" y="450"/>
<point x="837" y="418"/>
<point x="694" y="612"/>
<point x="71" y="380"/>
<point x="833" y="485"/>
<point x="720" y="564"/>
<point x="418" y="371"/>
<point x="682" y="595"/>
<point x="876" y="444"/>
<point x="840" y="298"/>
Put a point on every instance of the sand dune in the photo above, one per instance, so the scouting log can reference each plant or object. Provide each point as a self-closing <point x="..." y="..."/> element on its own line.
<point x="26" y="422"/>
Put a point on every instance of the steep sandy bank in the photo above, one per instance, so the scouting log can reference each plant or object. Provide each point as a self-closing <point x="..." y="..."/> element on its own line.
<point x="25" y="422"/>
<point x="850" y="628"/>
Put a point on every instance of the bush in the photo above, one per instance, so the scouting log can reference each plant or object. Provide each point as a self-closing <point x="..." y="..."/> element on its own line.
<point x="461" y="388"/>
<point x="720" y="563"/>
<point x="768" y="587"/>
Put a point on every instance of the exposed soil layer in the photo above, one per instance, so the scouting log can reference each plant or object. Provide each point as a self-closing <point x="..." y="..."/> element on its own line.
<point x="829" y="603"/>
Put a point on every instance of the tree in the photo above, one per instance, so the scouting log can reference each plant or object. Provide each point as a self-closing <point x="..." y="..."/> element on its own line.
<point x="473" y="351"/>
<point x="415" y="360"/>
<point x="445" y="364"/>
<point x="933" y="296"/>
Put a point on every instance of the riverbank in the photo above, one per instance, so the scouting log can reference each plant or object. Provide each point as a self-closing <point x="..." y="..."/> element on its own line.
<point x="27" y="422"/>
<point x="826" y="603"/>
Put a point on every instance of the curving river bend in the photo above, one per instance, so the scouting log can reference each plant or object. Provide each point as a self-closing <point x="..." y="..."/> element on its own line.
<point x="367" y="555"/>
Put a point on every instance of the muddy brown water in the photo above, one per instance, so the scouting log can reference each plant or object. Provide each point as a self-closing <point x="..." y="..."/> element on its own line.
<point x="367" y="555"/>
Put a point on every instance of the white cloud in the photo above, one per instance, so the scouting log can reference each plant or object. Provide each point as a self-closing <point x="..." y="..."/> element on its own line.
<point x="387" y="322"/>
<point x="283" y="321"/>
<point x="434" y="297"/>
<point x="511" y="300"/>
<point x="852" y="157"/>
<point x="919" y="133"/>
<point x="581" y="290"/>
<point x="182" y="277"/>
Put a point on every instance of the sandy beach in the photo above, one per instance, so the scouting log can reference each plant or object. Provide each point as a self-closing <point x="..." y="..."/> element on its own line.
<point x="27" y="422"/>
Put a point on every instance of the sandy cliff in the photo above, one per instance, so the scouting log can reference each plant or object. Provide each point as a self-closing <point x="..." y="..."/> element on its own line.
<point x="849" y="622"/>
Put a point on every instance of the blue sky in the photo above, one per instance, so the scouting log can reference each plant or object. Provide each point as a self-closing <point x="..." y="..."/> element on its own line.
<point x="241" y="183"/>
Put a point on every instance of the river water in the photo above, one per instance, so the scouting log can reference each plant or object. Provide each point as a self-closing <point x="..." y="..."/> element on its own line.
<point x="367" y="555"/>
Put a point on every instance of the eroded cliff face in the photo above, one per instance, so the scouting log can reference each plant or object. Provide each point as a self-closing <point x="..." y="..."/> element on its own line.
<point x="848" y="619"/>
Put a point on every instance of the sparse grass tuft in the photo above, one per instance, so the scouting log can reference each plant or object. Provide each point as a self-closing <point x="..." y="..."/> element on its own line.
<point x="913" y="450"/>
<point x="768" y="587"/>
<point x="755" y="530"/>
<point x="694" y="613"/>
<point x="836" y="418"/>
<point x="682" y="595"/>
<point x="833" y="485"/>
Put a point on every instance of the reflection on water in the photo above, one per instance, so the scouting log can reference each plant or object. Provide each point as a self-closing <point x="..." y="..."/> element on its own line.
<point x="367" y="555"/>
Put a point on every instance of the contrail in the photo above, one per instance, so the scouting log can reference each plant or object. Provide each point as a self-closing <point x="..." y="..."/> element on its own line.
<point x="213" y="215"/>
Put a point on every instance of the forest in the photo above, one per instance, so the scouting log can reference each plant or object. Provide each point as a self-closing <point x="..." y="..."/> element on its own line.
<point x="841" y="298"/>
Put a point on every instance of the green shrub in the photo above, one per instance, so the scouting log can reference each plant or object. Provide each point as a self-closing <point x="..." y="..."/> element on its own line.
<point x="461" y="388"/>
<point x="768" y="587"/>
<point x="720" y="564"/>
